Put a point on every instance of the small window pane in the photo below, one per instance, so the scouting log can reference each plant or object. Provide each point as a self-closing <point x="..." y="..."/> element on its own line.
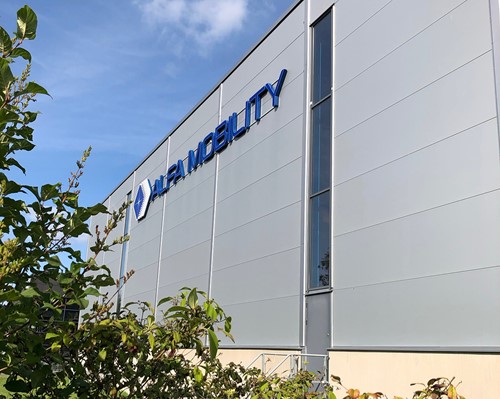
<point x="319" y="264"/>
<point x="321" y="147"/>
<point x="322" y="56"/>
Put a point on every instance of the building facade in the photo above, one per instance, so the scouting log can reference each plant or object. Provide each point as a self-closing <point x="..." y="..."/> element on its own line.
<point x="338" y="192"/>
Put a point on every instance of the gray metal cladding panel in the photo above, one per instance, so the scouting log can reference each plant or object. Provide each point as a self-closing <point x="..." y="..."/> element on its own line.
<point x="318" y="7"/>
<point x="272" y="322"/>
<point x="284" y="123"/>
<point x="264" y="55"/>
<point x="275" y="191"/>
<point x="457" y="237"/>
<point x="153" y="165"/>
<point x="290" y="57"/>
<point x="192" y="232"/>
<point x="186" y="141"/>
<point x="142" y="280"/>
<point x="390" y="28"/>
<point x="187" y="134"/>
<point x="148" y="228"/>
<point x="144" y="255"/>
<point x="443" y="47"/>
<point x="457" y="102"/>
<point x="270" y="154"/>
<point x="453" y="169"/>
<point x="187" y="264"/>
<point x="351" y="14"/>
<point x="452" y="310"/>
<point x="191" y="196"/>
<point x="277" y="232"/>
<point x="274" y="276"/>
<point x="119" y="196"/>
<point x="114" y="267"/>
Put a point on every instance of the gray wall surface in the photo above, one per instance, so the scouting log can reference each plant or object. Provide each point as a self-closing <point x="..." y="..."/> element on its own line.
<point x="417" y="176"/>
<point x="232" y="228"/>
<point x="416" y="186"/>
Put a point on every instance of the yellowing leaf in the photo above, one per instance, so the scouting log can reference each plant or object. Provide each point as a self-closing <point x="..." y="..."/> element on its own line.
<point x="102" y="355"/>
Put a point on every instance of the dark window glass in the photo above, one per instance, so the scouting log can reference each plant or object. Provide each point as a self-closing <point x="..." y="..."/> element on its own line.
<point x="322" y="58"/>
<point x="321" y="146"/>
<point x="319" y="262"/>
<point x="321" y="156"/>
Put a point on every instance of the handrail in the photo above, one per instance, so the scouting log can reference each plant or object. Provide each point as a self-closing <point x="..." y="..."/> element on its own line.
<point x="294" y="357"/>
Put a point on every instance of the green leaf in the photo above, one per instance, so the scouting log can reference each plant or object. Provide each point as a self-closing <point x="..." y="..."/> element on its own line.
<point x="211" y="312"/>
<point x="97" y="209"/>
<point x="33" y="88"/>
<point x="5" y="42"/>
<point x="164" y="300"/>
<point x="7" y="116"/>
<point x="192" y="298"/>
<point x="102" y="355"/>
<point x="30" y="293"/>
<point x="197" y="373"/>
<point x="54" y="261"/>
<point x="51" y="335"/>
<point x="9" y="296"/>
<point x="26" y="23"/>
<point x="92" y="291"/>
<point x="214" y="343"/>
<point x="6" y="76"/>
<point x="20" y="52"/>
<point x="17" y="386"/>
<point x="151" y="340"/>
<point x="49" y="191"/>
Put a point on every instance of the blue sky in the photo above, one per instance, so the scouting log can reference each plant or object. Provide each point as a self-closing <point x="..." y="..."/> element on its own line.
<point x="122" y="73"/>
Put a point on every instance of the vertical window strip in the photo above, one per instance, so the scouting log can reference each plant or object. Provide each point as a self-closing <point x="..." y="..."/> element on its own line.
<point x="321" y="157"/>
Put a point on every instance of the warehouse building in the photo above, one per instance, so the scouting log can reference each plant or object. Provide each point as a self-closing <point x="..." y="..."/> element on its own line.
<point x="338" y="193"/>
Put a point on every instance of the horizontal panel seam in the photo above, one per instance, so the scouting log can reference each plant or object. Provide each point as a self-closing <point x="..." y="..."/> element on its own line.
<point x="364" y="22"/>
<point x="418" y="278"/>
<point x="184" y="280"/>
<point x="185" y="249"/>
<point x="401" y="45"/>
<point x="190" y="218"/>
<point x="126" y="298"/>
<point x="260" y="179"/>
<point x="264" y="67"/>
<point x="413" y="93"/>
<point x="268" y="137"/>
<point x="418" y="212"/>
<point x="259" y="300"/>
<point x="417" y="150"/>
<point x="255" y="259"/>
<point x="196" y="131"/>
<point x="260" y="217"/>
<point x="130" y="249"/>
<point x="192" y="188"/>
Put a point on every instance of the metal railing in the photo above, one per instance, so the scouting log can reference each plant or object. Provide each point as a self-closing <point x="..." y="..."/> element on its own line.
<point x="297" y="362"/>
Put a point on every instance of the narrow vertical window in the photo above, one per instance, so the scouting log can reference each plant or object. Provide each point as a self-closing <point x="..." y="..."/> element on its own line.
<point x="320" y="155"/>
<point x="123" y="261"/>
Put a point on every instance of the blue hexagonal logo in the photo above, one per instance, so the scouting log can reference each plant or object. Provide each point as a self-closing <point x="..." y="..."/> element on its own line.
<point x="142" y="199"/>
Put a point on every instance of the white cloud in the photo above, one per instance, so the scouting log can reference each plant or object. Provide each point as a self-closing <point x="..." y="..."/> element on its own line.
<point x="204" y="21"/>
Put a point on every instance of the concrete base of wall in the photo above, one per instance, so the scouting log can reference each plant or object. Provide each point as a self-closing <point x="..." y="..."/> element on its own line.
<point x="392" y="373"/>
